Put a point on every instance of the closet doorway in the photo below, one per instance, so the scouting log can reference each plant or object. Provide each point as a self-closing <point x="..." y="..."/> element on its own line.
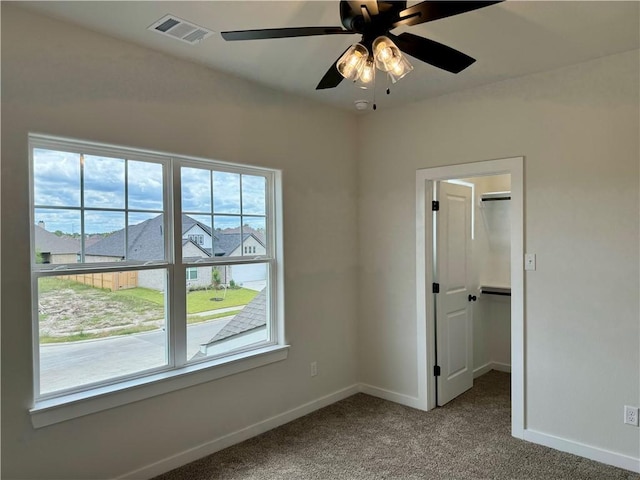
<point x="470" y="279"/>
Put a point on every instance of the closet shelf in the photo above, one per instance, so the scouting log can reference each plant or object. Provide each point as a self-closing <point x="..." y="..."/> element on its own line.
<point x="495" y="196"/>
<point x="501" y="291"/>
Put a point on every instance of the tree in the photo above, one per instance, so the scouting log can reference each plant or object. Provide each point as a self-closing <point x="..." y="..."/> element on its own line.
<point x="216" y="281"/>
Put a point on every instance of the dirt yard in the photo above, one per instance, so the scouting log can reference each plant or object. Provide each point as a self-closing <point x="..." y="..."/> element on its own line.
<point x="67" y="311"/>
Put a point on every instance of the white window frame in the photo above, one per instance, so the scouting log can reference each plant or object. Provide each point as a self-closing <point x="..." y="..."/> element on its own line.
<point x="178" y="373"/>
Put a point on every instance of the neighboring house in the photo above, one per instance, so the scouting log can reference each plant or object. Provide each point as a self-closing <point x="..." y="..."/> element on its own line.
<point x="54" y="248"/>
<point x="146" y="243"/>
<point x="247" y="327"/>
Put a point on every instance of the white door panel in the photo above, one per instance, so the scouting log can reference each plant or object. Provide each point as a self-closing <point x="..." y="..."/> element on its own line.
<point x="453" y="309"/>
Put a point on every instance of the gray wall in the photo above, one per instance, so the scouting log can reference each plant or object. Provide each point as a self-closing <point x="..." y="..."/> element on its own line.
<point x="63" y="80"/>
<point x="577" y="128"/>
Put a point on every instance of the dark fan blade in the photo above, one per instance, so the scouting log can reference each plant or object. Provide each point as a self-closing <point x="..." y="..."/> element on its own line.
<point x="431" y="52"/>
<point x="434" y="10"/>
<point x="371" y="6"/>
<point x="332" y="78"/>
<point x="283" y="33"/>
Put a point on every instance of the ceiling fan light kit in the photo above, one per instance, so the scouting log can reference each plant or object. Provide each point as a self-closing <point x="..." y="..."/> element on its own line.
<point x="386" y="53"/>
<point x="378" y="47"/>
<point x="367" y="77"/>
<point x="352" y="62"/>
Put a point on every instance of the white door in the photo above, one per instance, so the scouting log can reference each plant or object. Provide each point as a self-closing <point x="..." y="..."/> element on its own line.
<point x="454" y="329"/>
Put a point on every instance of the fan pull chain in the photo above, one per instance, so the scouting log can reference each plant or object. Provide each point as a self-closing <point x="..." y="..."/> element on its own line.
<point x="374" y="94"/>
<point x="388" y="89"/>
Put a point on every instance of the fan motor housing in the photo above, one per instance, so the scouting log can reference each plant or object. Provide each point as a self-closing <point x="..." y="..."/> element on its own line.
<point x="353" y="19"/>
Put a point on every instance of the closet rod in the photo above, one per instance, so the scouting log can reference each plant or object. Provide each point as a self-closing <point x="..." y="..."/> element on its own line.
<point x="505" y="292"/>
<point x="495" y="199"/>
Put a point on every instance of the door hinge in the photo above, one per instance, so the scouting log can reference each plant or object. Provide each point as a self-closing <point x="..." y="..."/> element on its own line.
<point x="436" y="288"/>
<point x="435" y="205"/>
<point x="436" y="370"/>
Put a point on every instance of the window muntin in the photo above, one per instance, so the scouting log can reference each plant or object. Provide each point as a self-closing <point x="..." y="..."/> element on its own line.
<point x="95" y="191"/>
<point x="136" y="198"/>
<point x="229" y="208"/>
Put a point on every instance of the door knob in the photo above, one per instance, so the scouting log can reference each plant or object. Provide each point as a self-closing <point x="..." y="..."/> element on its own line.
<point x="472" y="298"/>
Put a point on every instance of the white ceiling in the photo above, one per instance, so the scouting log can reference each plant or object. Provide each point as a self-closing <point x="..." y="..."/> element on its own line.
<point x="509" y="39"/>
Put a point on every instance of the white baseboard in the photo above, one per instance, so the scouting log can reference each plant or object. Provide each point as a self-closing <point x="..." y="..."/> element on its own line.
<point x="192" y="454"/>
<point x="487" y="367"/>
<point x="396" y="397"/>
<point x="238" y="436"/>
<point x="481" y="370"/>
<point x="582" y="450"/>
<point x="501" y="367"/>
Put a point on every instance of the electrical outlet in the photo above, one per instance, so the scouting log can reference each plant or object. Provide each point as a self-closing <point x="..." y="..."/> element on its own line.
<point x="631" y="415"/>
<point x="314" y="370"/>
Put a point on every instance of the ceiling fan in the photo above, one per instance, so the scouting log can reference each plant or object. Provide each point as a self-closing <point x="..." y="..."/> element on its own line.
<point x="378" y="47"/>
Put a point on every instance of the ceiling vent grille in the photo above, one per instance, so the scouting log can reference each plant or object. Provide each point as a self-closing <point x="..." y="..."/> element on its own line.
<point x="175" y="27"/>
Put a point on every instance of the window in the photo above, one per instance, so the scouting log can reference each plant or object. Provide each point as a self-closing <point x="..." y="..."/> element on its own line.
<point x="105" y="269"/>
<point x="197" y="239"/>
<point x="192" y="273"/>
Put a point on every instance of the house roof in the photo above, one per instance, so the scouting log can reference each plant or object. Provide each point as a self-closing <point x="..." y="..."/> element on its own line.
<point x="146" y="240"/>
<point x="254" y="315"/>
<point x="47" y="242"/>
<point x="259" y="235"/>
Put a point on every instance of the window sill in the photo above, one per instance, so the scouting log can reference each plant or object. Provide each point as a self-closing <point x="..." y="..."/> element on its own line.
<point x="59" y="409"/>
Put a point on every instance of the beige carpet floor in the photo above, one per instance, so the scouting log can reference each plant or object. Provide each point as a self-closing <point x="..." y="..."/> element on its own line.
<point x="364" y="437"/>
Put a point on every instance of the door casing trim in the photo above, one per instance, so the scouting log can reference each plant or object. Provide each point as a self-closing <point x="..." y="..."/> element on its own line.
<point x="426" y="341"/>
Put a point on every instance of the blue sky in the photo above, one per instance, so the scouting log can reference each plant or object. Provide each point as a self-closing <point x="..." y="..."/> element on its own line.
<point x="57" y="184"/>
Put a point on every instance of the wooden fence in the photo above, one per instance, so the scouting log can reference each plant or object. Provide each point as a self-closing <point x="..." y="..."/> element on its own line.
<point x="111" y="281"/>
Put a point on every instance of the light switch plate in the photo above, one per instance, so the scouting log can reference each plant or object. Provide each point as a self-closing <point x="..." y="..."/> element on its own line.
<point x="529" y="261"/>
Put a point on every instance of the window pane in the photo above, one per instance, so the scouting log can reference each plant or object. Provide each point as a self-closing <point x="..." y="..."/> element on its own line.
<point x="254" y="238"/>
<point x="226" y="192"/>
<point x="227" y="310"/>
<point x="253" y="195"/>
<point x="57" y="235"/>
<point x="227" y="239"/>
<point x="145" y="182"/>
<point x="196" y="237"/>
<point x="103" y="182"/>
<point x="122" y="313"/>
<point x="56" y="178"/>
<point x="104" y="236"/>
<point x="196" y="190"/>
<point x="145" y="237"/>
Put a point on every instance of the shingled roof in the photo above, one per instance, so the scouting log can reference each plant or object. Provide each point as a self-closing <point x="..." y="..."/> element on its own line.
<point x="252" y="317"/>
<point x="47" y="242"/>
<point x="146" y="240"/>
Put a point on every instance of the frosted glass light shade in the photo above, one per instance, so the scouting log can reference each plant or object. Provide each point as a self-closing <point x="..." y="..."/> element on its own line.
<point x="386" y="53"/>
<point x="350" y="64"/>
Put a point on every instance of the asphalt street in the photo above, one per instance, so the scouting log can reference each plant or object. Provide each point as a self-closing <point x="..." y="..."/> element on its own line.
<point x="65" y="365"/>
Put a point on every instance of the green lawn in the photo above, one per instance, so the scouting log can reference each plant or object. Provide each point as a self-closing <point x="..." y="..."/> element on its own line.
<point x="204" y="318"/>
<point x="71" y="311"/>
<point x="199" y="301"/>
